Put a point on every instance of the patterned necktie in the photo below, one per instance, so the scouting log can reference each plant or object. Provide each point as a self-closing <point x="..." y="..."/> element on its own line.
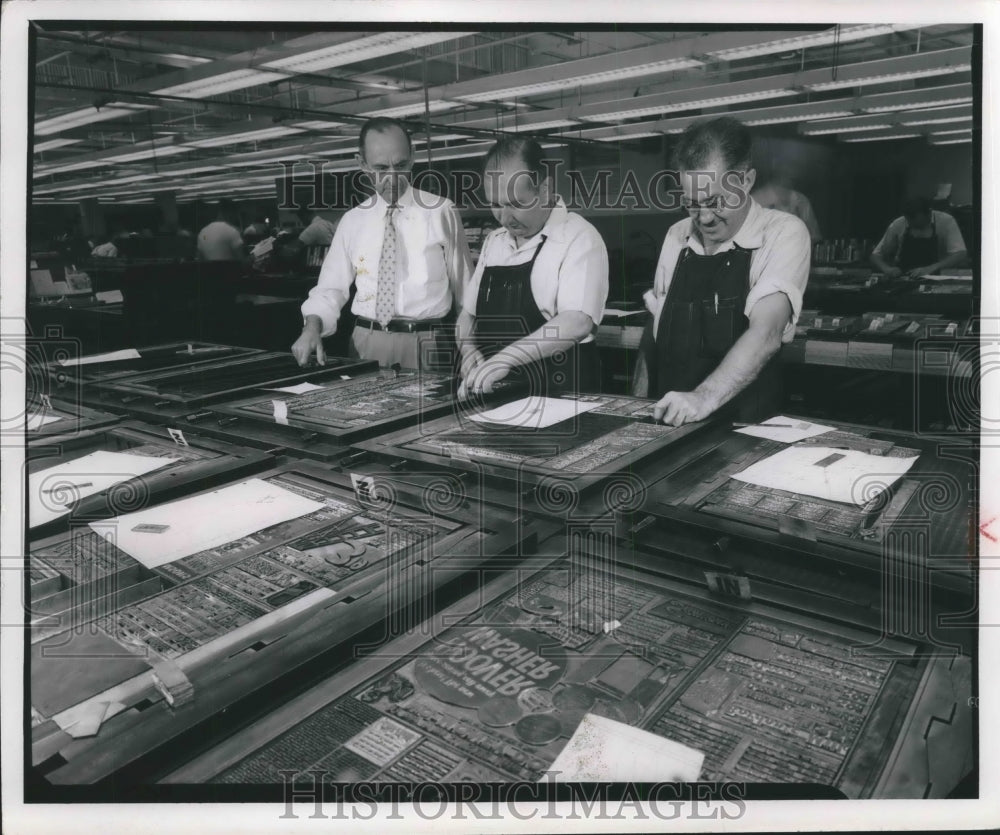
<point x="385" y="297"/>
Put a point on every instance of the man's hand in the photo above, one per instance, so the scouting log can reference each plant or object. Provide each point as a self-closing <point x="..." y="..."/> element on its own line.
<point x="484" y="376"/>
<point x="309" y="342"/>
<point x="676" y="408"/>
<point x="892" y="272"/>
<point x="920" y="272"/>
<point x="471" y="359"/>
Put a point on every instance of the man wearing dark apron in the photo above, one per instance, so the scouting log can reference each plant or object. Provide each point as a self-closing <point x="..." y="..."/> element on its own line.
<point x="539" y="290"/>
<point x="921" y="242"/>
<point x="728" y="287"/>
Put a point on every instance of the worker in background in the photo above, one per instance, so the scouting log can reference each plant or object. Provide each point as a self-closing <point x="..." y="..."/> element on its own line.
<point x="318" y="230"/>
<point x="920" y="242"/>
<point x="405" y="249"/>
<point x="539" y="289"/>
<point x="727" y="289"/>
<point x="778" y="194"/>
<point x="220" y="240"/>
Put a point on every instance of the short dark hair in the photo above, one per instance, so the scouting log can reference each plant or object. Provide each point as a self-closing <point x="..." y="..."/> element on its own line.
<point x="916" y="207"/>
<point x="524" y="150"/>
<point x="723" y="135"/>
<point x="382" y="124"/>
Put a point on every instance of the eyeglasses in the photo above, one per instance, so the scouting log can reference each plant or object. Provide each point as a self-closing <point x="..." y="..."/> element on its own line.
<point x="713" y="204"/>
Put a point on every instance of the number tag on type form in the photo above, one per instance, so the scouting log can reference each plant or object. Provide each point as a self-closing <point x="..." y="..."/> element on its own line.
<point x="178" y="436"/>
<point x="729" y="585"/>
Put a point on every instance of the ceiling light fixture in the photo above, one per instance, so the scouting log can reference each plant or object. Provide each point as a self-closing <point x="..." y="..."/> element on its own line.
<point x="226" y="82"/>
<point x="361" y="49"/>
<point x="54" y="143"/>
<point x="246" y="136"/>
<point x="887" y="78"/>
<point x="807" y="131"/>
<point x="585" y="80"/>
<point x="835" y="34"/>
<point x="86" y="116"/>
<point x="951" y="141"/>
<point x="413" y="109"/>
<point x="756" y="95"/>
<point x="879" y="138"/>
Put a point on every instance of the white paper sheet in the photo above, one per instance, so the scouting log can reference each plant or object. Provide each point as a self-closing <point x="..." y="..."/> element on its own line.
<point x="37" y="421"/>
<point x="535" y="412"/>
<point x="797" y="430"/>
<point x="301" y="388"/>
<point x="605" y="751"/>
<point x="852" y="477"/>
<point x="51" y="490"/>
<point x="205" y="521"/>
<point x="621" y="314"/>
<point x="110" y="296"/>
<point x="111" y="356"/>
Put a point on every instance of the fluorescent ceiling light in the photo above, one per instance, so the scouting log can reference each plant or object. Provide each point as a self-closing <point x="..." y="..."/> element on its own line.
<point x="917" y="105"/>
<point x="951" y="141"/>
<point x="938" y="133"/>
<point x="190" y="59"/>
<point x="361" y="49"/>
<point x="879" y="138"/>
<point x="246" y="136"/>
<point x="838" y="34"/>
<point x="818" y="131"/>
<point x="585" y="80"/>
<point x="941" y="121"/>
<point x="413" y="109"/>
<point x="625" y="136"/>
<point x="887" y="77"/>
<point x="444" y="137"/>
<point x="780" y="120"/>
<point x="694" y="105"/>
<point x="253" y="162"/>
<point x="226" y="82"/>
<point x="555" y="123"/>
<point x="55" y="143"/>
<point x="319" y="124"/>
<point x="87" y="116"/>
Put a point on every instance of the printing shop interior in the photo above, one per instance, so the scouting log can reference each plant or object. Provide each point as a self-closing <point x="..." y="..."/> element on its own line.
<point x="423" y="405"/>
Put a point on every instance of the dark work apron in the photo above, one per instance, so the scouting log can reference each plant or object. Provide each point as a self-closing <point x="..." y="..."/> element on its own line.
<point x="917" y="252"/>
<point x="506" y="311"/>
<point x="702" y="318"/>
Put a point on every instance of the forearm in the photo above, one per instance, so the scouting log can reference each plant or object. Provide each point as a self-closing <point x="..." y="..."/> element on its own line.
<point x="554" y="336"/>
<point x="463" y="333"/>
<point x="879" y="262"/>
<point x="740" y="366"/>
<point x="952" y="260"/>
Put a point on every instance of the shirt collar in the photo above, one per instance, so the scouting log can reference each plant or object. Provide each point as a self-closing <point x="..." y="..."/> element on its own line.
<point x="749" y="236"/>
<point x="554" y="228"/>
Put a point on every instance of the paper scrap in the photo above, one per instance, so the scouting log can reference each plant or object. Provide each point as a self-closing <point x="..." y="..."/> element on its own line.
<point x="535" y="412"/>
<point x="382" y="741"/>
<point x="280" y="412"/>
<point x="40" y="419"/>
<point x="54" y="489"/>
<point x="205" y="521"/>
<point x="301" y="388"/>
<point x="797" y="430"/>
<point x="605" y="751"/>
<point x="110" y="296"/>
<point x="111" y="356"/>
<point x="621" y="314"/>
<point x="838" y="475"/>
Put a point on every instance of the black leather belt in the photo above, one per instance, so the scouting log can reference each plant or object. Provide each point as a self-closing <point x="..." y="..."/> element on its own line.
<point x="400" y="325"/>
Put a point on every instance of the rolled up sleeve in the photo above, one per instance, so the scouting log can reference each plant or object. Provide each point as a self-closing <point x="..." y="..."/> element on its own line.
<point x="333" y="288"/>
<point x="781" y="265"/>
<point x="951" y="234"/>
<point x="888" y="247"/>
<point x="583" y="276"/>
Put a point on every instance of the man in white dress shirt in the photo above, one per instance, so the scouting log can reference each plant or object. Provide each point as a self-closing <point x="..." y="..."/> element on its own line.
<point x="727" y="290"/>
<point x="539" y="289"/>
<point x="407" y="252"/>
